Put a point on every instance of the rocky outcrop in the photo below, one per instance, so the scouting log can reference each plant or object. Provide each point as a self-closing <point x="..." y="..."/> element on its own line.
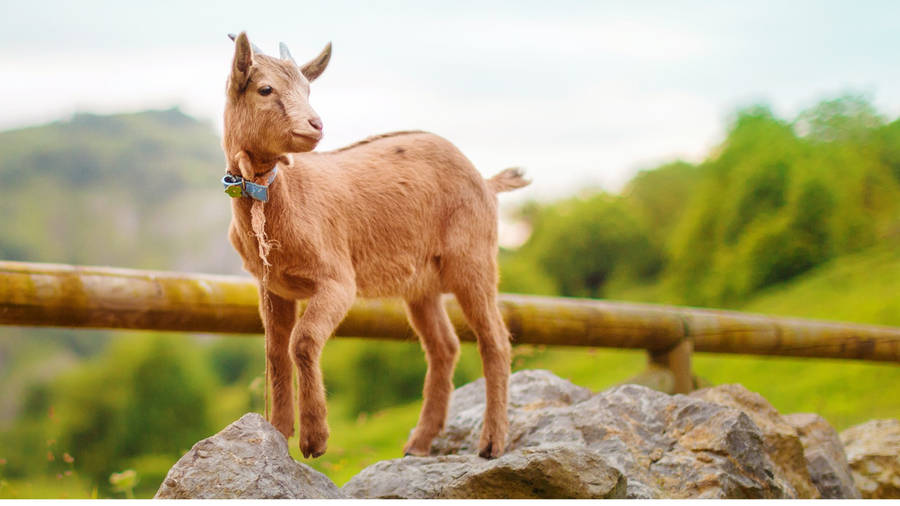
<point x="873" y="450"/>
<point x="249" y="459"/>
<point x="567" y="442"/>
<point x="825" y="458"/>
<point x="666" y="446"/>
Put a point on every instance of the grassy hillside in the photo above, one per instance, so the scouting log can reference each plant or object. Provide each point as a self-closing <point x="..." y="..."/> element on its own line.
<point x="862" y="287"/>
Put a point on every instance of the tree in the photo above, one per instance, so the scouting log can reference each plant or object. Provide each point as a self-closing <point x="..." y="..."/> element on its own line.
<point x="583" y="243"/>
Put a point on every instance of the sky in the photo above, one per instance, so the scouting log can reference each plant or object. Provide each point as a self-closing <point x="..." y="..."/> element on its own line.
<point x="580" y="94"/>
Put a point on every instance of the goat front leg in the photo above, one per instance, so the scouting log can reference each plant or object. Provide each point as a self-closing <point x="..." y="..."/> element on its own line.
<point x="325" y="310"/>
<point x="278" y="316"/>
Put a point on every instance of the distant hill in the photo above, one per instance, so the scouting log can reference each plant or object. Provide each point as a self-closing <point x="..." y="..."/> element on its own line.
<point x="133" y="190"/>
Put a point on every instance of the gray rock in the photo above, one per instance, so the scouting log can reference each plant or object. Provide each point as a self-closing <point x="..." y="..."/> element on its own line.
<point x="873" y="450"/>
<point x="534" y="397"/>
<point x="825" y="458"/>
<point x="551" y="471"/>
<point x="782" y="443"/>
<point x="666" y="446"/>
<point x="678" y="446"/>
<point x="249" y="459"/>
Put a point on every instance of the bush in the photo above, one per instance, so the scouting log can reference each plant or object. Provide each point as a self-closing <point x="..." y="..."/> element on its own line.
<point x="144" y="395"/>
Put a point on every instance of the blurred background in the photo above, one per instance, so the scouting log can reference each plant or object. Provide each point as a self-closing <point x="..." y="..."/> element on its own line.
<point x="740" y="155"/>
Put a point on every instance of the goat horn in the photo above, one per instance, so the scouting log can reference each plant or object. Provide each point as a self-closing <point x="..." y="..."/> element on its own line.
<point x="256" y="50"/>
<point x="285" y="52"/>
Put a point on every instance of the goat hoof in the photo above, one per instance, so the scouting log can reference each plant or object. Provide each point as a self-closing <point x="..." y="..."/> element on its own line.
<point x="415" y="448"/>
<point x="490" y="450"/>
<point x="415" y="453"/>
<point x="313" y="453"/>
<point x="312" y="447"/>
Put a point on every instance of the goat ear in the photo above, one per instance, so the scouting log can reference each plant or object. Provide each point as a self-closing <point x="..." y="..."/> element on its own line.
<point x="243" y="60"/>
<point x="314" y="68"/>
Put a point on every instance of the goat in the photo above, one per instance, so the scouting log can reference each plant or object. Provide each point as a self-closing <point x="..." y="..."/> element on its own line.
<point x="403" y="214"/>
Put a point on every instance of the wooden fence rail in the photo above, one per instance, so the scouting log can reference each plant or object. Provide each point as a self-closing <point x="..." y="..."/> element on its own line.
<point x="100" y="297"/>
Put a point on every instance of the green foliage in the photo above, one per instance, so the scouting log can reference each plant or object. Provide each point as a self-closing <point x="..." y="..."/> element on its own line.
<point x="766" y="206"/>
<point x="889" y="139"/>
<point x="370" y="376"/>
<point x="659" y="197"/>
<point x="849" y="118"/>
<point x="583" y="243"/>
<point x="142" y="396"/>
<point x="236" y="359"/>
<point x="521" y="274"/>
<point x="379" y="383"/>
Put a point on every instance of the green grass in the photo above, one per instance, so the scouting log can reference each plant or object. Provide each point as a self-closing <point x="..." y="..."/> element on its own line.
<point x="864" y="288"/>
<point x="60" y="487"/>
<point x="844" y="392"/>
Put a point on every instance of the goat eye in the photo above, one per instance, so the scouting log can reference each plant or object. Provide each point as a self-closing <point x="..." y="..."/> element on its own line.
<point x="265" y="90"/>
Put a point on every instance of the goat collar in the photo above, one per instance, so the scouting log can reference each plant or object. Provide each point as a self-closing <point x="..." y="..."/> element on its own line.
<point x="237" y="186"/>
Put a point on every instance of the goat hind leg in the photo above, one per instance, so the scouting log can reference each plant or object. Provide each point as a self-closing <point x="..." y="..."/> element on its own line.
<point x="479" y="305"/>
<point x="325" y="310"/>
<point x="429" y="318"/>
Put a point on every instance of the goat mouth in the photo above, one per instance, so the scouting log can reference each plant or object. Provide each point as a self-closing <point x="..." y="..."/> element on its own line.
<point x="307" y="136"/>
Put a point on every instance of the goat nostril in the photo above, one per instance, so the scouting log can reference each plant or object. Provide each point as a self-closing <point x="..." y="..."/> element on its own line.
<point x="316" y="123"/>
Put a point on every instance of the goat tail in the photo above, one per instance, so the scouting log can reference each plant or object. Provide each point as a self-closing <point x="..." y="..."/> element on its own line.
<point x="507" y="180"/>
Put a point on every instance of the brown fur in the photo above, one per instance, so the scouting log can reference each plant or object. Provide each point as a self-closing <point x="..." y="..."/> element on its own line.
<point x="403" y="214"/>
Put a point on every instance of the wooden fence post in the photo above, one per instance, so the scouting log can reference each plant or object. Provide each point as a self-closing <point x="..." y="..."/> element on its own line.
<point x="678" y="361"/>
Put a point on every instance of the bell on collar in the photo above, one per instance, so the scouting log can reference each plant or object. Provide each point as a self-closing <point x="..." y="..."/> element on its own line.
<point x="233" y="186"/>
<point x="234" y="191"/>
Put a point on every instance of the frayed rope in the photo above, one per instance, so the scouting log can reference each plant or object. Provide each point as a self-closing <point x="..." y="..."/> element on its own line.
<point x="258" y="224"/>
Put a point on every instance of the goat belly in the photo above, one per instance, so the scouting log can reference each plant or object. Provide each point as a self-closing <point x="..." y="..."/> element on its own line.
<point x="395" y="278"/>
<point x="291" y="285"/>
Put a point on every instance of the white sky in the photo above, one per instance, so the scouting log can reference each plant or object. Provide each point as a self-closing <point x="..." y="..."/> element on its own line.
<point x="578" y="93"/>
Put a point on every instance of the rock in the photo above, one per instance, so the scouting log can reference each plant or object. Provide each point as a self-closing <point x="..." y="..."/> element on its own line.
<point x="873" y="450"/>
<point x="552" y="471"/>
<point x="531" y="392"/>
<point x="666" y="446"/>
<point x="782" y="442"/>
<point x="825" y="458"/>
<point x="249" y="459"/>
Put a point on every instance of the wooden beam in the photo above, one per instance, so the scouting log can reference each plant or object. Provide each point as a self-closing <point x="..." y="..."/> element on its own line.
<point x="101" y="297"/>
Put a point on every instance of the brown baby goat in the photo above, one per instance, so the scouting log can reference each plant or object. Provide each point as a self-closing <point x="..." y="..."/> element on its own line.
<point x="403" y="214"/>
